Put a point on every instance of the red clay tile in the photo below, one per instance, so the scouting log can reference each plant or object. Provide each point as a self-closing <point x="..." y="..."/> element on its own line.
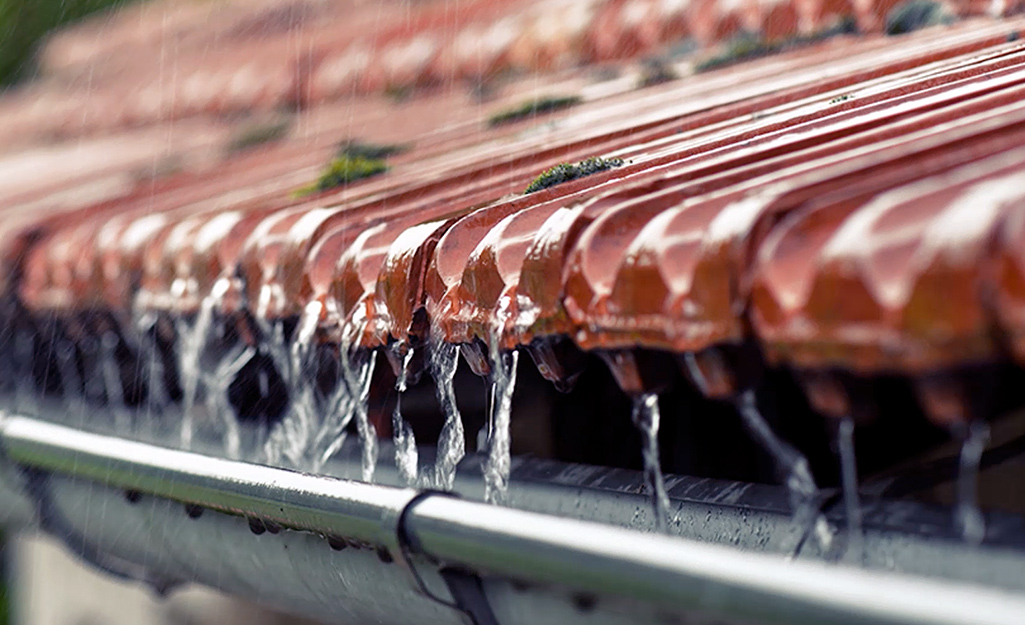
<point x="914" y="275"/>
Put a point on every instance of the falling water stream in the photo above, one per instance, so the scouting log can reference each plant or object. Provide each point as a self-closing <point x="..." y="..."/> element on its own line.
<point x="192" y="341"/>
<point x="349" y="399"/>
<point x="358" y="376"/>
<point x="292" y="439"/>
<point x="646" y="418"/>
<point x="498" y="463"/>
<point x="852" y="503"/>
<point x="443" y="361"/>
<point x="968" y="515"/>
<point x="406" y="456"/>
<point x="217" y="402"/>
<point x="144" y="329"/>
<point x="793" y="469"/>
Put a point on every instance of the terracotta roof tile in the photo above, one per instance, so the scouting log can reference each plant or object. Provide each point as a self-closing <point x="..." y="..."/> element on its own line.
<point x="749" y="199"/>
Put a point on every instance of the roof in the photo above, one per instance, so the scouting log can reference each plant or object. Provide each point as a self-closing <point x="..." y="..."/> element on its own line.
<point x="847" y="204"/>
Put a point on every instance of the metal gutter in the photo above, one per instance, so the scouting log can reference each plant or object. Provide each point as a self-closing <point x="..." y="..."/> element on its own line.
<point x="587" y="560"/>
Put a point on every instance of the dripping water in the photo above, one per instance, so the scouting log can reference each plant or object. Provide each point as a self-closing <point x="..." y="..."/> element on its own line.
<point x="646" y="418"/>
<point x="357" y="377"/>
<point x="226" y="370"/>
<point x="503" y="382"/>
<point x="367" y="436"/>
<point x="968" y="515"/>
<point x="336" y="410"/>
<point x="337" y="413"/>
<point x="192" y="342"/>
<point x="349" y="398"/>
<point x="144" y="328"/>
<point x="498" y="463"/>
<point x="292" y="439"/>
<point x="406" y="456"/>
<point x="353" y="401"/>
<point x="793" y="468"/>
<point x="208" y="382"/>
<point x="852" y="503"/>
<point x="301" y="384"/>
<point x="443" y="361"/>
<point x="286" y="432"/>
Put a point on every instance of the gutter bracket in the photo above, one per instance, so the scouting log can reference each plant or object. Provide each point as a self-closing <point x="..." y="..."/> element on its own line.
<point x="468" y="591"/>
<point x="465" y="587"/>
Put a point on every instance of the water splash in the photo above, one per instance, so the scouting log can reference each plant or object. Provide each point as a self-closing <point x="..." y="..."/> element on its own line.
<point x="406" y="456"/>
<point x="793" y="469"/>
<point x="968" y="516"/>
<point x="443" y="361"/>
<point x="852" y="503"/>
<point x="646" y="417"/>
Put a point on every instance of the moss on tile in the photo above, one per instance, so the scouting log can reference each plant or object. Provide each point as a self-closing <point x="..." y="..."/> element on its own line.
<point x="742" y="47"/>
<point x="354" y="148"/>
<point x="747" y="45"/>
<point x="343" y="170"/>
<point x="564" y="172"/>
<point x="532" y="108"/>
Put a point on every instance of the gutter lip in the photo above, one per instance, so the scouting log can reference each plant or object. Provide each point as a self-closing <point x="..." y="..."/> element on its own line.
<point x="678" y="575"/>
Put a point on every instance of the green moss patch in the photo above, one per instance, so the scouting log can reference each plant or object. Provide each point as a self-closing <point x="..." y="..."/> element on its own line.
<point x="564" y="172"/>
<point x="343" y="170"/>
<point x="743" y="47"/>
<point x="746" y="46"/>
<point x="355" y="160"/>
<point x="532" y="108"/>
<point x="380" y="151"/>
